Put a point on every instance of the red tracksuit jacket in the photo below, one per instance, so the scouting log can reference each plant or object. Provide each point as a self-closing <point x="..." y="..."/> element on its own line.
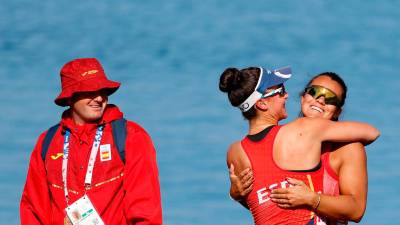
<point x="121" y="193"/>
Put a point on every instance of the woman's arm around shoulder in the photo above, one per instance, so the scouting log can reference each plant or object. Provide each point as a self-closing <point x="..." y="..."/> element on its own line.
<point x="346" y="131"/>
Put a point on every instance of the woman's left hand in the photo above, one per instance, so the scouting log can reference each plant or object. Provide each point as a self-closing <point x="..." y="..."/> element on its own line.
<point x="297" y="195"/>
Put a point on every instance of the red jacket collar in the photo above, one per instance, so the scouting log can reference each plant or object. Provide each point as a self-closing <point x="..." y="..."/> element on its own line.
<point x="111" y="113"/>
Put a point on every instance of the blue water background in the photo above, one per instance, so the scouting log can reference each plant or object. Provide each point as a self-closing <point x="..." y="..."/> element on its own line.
<point x="169" y="55"/>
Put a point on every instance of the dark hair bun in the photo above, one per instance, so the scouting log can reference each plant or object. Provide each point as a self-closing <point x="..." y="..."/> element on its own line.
<point x="229" y="80"/>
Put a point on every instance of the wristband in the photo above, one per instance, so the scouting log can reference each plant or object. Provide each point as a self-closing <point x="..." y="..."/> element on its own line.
<point x="315" y="207"/>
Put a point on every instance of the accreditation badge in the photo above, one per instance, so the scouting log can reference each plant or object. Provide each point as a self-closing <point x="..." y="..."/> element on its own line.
<point x="105" y="152"/>
<point x="82" y="212"/>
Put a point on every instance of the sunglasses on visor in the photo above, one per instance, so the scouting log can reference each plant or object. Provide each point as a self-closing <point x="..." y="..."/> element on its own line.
<point x="281" y="91"/>
<point x="329" y="96"/>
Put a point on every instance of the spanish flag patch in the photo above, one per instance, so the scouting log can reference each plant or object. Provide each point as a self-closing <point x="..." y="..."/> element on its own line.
<point x="105" y="152"/>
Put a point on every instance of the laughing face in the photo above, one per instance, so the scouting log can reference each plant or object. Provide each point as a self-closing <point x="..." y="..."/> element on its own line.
<point x="88" y="107"/>
<point x="317" y="108"/>
<point x="277" y="102"/>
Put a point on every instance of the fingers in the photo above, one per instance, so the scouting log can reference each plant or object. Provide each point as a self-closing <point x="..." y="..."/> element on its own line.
<point x="247" y="179"/>
<point x="242" y="184"/>
<point x="247" y="184"/>
<point x="295" y="182"/>
<point x="246" y="175"/>
<point x="280" y="191"/>
<point x="285" y="206"/>
<point x="246" y="191"/>
<point x="282" y="201"/>
<point x="232" y="170"/>
<point x="279" y="196"/>
<point x="245" y="172"/>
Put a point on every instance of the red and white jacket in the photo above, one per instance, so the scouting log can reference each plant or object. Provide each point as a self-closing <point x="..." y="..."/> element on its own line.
<point x="121" y="193"/>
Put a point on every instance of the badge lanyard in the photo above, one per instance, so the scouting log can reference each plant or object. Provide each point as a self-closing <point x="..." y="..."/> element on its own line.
<point x="92" y="159"/>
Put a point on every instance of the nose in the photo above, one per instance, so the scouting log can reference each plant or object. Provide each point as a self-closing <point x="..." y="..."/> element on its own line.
<point x="321" y="100"/>
<point x="100" y="97"/>
<point x="286" y="96"/>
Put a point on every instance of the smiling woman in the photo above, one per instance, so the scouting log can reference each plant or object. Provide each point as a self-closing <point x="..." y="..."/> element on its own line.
<point x="269" y="149"/>
<point x="345" y="165"/>
<point x="329" y="91"/>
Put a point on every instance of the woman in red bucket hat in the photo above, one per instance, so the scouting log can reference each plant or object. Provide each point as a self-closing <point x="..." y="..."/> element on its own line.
<point x="78" y="172"/>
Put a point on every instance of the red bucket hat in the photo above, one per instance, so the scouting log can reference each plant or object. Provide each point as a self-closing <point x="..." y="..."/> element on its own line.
<point x="83" y="75"/>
